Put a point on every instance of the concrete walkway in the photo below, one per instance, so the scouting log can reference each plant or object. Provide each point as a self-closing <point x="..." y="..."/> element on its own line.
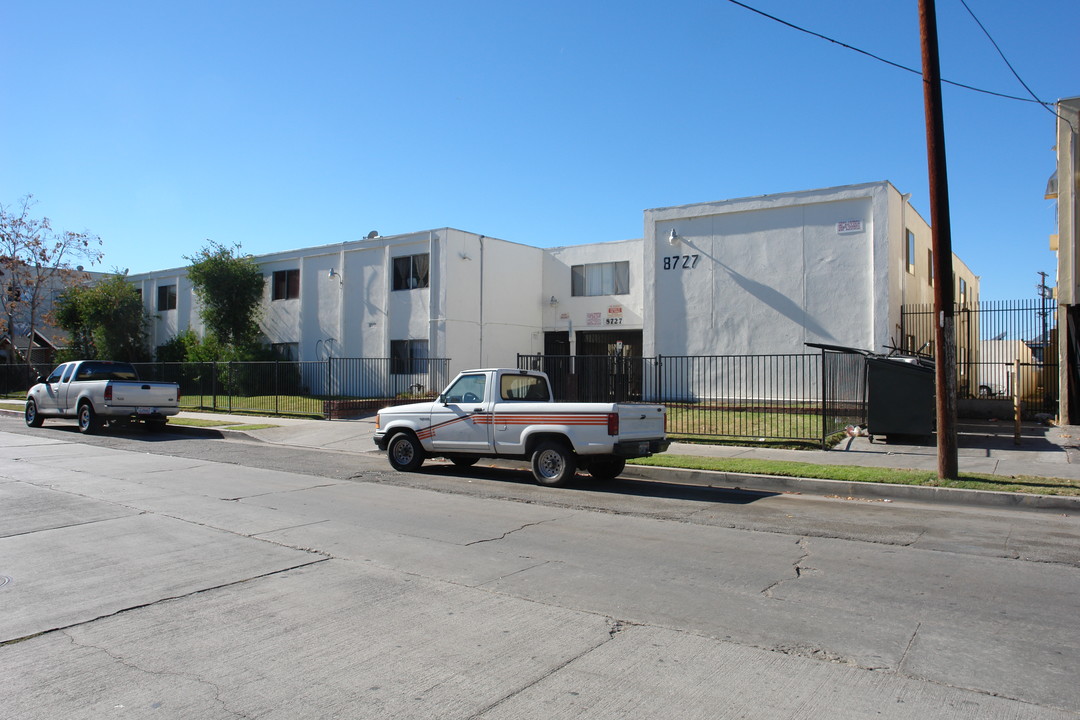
<point x="984" y="447"/>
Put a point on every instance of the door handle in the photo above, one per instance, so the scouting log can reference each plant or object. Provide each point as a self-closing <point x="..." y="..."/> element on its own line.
<point x="478" y="410"/>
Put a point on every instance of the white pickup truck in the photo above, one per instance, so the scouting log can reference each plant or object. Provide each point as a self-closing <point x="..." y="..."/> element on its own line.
<point x="99" y="391"/>
<point x="507" y="413"/>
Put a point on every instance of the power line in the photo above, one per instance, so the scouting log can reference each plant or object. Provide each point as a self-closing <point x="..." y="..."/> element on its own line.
<point x="890" y="62"/>
<point x="1006" y="60"/>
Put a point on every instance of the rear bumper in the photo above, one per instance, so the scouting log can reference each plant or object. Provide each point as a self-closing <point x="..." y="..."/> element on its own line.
<point x="640" y="448"/>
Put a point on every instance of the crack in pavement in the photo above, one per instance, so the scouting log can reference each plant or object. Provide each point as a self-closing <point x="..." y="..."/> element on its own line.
<point x="615" y="627"/>
<point x="217" y="689"/>
<point x="510" y="532"/>
<point x="797" y="566"/>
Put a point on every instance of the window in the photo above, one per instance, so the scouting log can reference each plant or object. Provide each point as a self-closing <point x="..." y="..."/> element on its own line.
<point x="962" y="289"/>
<point x="411" y="272"/>
<point x="408" y="356"/>
<point x="930" y="267"/>
<point x="467" y="388"/>
<point x="524" y="387"/>
<point x="286" y="285"/>
<point x="166" y="297"/>
<point x="909" y="252"/>
<point x="611" y="278"/>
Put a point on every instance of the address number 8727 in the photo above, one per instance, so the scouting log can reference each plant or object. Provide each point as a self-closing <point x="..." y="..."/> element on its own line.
<point x="681" y="262"/>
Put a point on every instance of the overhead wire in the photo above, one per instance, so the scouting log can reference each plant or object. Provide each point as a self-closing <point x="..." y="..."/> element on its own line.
<point x="896" y="64"/>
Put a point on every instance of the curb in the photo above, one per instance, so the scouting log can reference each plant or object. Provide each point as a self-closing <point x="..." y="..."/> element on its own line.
<point x="781" y="485"/>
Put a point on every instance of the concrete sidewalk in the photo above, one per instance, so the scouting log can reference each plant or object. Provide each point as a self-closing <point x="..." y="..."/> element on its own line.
<point x="985" y="447"/>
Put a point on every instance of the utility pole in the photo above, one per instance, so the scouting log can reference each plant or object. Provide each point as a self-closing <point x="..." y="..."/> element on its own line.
<point x="944" y="307"/>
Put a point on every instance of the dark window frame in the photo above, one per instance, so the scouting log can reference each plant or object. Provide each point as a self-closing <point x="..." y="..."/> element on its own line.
<point x="411" y="272"/>
<point x="285" y="284"/>
<point x="604" y="276"/>
<point x="166" y="297"/>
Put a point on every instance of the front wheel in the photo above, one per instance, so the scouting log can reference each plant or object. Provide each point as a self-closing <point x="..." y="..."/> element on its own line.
<point x="31" y="416"/>
<point x="606" y="468"/>
<point x="553" y="464"/>
<point x="405" y="452"/>
<point x="88" y="419"/>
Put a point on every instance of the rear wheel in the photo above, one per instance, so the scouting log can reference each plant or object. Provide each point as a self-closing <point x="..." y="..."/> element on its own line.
<point x="88" y="419"/>
<point x="607" y="468"/>
<point x="553" y="464"/>
<point x="405" y="452"/>
<point x="31" y="416"/>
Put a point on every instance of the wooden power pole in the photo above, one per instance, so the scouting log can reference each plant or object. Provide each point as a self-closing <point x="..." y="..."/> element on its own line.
<point x="944" y="307"/>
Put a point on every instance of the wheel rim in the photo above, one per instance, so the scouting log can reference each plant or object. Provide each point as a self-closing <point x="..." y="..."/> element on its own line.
<point x="31" y="412"/>
<point x="403" y="452"/>
<point x="84" y="417"/>
<point x="550" y="464"/>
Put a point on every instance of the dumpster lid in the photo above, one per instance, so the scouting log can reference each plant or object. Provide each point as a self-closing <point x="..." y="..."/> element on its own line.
<point x="841" y="349"/>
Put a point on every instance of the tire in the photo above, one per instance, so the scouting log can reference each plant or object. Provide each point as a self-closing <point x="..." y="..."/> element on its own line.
<point x="31" y="416"/>
<point x="606" y="468"/>
<point x="553" y="464"/>
<point x="405" y="452"/>
<point x="464" y="462"/>
<point x="88" y="419"/>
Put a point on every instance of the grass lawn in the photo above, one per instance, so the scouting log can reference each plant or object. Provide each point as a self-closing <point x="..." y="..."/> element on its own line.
<point x="851" y="473"/>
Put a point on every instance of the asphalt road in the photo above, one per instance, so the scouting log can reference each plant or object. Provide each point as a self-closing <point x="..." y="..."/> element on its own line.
<point x="188" y="576"/>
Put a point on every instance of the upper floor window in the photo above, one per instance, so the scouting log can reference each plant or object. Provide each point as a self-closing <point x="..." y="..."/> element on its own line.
<point x="909" y="252"/>
<point x="166" y="297"/>
<point x="411" y="272"/>
<point x="611" y="278"/>
<point x="286" y="285"/>
<point x="962" y="291"/>
<point x="930" y="267"/>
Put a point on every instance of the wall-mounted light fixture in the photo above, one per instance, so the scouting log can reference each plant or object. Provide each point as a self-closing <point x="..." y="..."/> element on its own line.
<point x="674" y="238"/>
<point x="334" y="274"/>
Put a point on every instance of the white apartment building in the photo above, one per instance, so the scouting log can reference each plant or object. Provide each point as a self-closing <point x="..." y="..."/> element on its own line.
<point x="748" y="276"/>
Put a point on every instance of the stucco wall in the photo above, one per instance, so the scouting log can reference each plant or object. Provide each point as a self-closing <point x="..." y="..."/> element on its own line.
<point x="766" y="275"/>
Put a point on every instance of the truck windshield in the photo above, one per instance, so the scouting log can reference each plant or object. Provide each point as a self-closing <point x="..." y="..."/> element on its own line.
<point x="523" y="387"/>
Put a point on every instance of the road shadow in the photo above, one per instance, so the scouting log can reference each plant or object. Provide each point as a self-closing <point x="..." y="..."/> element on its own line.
<point x="502" y="471"/>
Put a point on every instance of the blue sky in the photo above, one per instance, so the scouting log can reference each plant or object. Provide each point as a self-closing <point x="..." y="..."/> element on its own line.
<point x="281" y="125"/>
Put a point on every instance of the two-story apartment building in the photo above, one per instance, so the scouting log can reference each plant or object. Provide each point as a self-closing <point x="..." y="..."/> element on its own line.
<point x="748" y="276"/>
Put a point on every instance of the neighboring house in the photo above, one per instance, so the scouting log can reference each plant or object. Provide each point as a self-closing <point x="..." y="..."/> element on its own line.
<point x="1066" y="242"/>
<point x="750" y="276"/>
<point x="47" y="339"/>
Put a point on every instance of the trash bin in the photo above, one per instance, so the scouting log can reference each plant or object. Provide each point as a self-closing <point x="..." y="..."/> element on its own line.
<point x="900" y="396"/>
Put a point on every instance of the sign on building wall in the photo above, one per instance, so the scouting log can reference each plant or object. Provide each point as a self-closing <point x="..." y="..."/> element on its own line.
<point x="847" y="227"/>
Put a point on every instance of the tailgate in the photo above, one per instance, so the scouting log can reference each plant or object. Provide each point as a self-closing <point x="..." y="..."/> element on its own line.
<point x="641" y="422"/>
<point x="144" y="394"/>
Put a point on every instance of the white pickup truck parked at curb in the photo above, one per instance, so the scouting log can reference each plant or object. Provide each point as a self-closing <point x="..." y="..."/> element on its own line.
<point x="507" y="413"/>
<point x="98" y="391"/>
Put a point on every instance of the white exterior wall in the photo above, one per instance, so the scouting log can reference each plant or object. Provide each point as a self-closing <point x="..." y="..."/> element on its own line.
<point x="601" y="312"/>
<point x="771" y="273"/>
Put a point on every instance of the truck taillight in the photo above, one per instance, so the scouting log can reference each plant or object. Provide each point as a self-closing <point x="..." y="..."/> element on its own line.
<point x="613" y="424"/>
<point x="178" y="396"/>
<point x="108" y="393"/>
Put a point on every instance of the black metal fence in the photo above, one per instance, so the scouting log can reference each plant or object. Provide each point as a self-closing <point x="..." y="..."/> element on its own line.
<point x="331" y="388"/>
<point x="802" y="397"/>
<point x="991" y="338"/>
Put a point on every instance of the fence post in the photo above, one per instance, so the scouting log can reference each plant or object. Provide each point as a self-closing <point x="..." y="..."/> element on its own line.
<point x="824" y="374"/>
<point x="277" y="388"/>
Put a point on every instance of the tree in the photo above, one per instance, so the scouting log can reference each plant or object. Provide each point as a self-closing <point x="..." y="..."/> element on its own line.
<point x="106" y="321"/>
<point x="230" y="290"/>
<point x="35" y="265"/>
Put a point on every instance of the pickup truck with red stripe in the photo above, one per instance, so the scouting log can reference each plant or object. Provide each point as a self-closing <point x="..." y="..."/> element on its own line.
<point x="508" y="413"/>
